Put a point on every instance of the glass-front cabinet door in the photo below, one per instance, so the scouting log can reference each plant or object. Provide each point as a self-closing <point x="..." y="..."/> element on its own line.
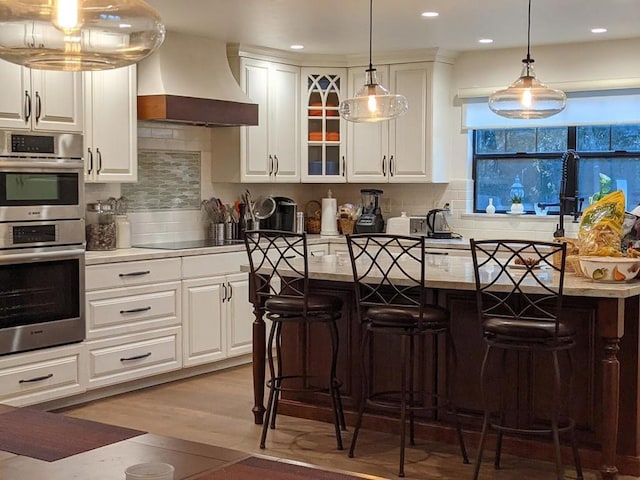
<point x="323" y="130"/>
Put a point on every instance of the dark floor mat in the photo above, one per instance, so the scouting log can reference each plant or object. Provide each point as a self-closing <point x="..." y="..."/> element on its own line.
<point x="50" y="437"/>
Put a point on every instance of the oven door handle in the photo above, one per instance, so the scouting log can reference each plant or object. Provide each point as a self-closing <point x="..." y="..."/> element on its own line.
<point x="38" y="256"/>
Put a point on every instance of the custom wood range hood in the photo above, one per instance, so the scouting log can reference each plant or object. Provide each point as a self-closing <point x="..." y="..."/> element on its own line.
<point x="188" y="80"/>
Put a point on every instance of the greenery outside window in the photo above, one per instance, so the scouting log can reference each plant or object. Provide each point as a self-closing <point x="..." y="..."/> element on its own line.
<point x="532" y="157"/>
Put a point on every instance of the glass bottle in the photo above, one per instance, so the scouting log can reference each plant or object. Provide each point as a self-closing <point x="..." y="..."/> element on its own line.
<point x="123" y="232"/>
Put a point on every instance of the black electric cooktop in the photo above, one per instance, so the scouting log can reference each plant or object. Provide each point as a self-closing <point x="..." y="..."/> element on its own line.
<point x="184" y="244"/>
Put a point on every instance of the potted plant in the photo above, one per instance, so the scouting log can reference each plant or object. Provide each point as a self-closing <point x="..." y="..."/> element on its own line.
<point x="516" y="204"/>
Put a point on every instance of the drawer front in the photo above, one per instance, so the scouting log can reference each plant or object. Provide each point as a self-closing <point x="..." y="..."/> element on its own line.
<point x="121" y="359"/>
<point x="42" y="379"/>
<point x="125" y="310"/>
<point x="216" y="264"/>
<point x="124" y="274"/>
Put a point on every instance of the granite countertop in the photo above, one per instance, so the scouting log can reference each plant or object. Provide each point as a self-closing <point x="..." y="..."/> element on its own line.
<point x="135" y="254"/>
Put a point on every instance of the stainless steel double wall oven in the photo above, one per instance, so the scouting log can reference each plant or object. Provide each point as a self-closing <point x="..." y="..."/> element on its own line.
<point x="41" y="240"/>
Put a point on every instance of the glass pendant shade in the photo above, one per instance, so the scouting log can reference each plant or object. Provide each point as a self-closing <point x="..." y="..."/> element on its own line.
<point x="373" y="103"/>
<point x="527" y="97"/>
<point x="78" y="34"/>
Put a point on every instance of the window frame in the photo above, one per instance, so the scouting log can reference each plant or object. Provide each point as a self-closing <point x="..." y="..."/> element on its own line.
<point x="571" y="144"/>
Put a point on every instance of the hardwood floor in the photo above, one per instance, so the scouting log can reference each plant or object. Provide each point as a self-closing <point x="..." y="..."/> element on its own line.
<point x="216" y="409"/>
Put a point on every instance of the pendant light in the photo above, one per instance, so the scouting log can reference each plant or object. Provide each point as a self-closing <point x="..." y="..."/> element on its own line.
<point x="78" y="34"/>
<point x="373" y="102"/>
<point x="527" y="97"/>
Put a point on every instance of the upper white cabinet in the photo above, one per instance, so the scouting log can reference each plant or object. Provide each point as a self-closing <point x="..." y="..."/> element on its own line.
<point x="40" y="100"/>
<point x="415" y="147"/>
<point x="269" y="151"/>
<point x="323" y="130"/>
<point x="110" y="140"/>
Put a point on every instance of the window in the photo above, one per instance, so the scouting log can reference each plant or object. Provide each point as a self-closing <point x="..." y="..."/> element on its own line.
<point x="529" y="160"/>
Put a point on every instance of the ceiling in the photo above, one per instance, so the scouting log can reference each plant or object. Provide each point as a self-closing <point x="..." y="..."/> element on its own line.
<point x="342" y="26"/>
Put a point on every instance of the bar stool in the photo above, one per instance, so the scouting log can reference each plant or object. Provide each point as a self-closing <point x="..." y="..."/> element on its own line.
<point x="519" y="298"/>
<point x="389" y="274"/>
<point x="280" y="290"/>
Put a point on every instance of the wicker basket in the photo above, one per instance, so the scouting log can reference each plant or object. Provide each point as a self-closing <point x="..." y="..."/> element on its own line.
<point x="312" y="213"/>
<point x="572" y="263"/>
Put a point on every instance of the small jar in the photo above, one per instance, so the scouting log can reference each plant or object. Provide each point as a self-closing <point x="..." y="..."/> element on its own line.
<point x="123" y="232"/>
<point x="101" y="226"/>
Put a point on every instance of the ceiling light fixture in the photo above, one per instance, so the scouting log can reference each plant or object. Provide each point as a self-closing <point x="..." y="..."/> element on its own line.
<point x="527" y="97"/>
<point x="598" y="30"/>
<point x="430" y="14"/>
<point x="296" y="47"/>
<point x="78" y="34"/>
<point x="485" y="40"/>
<point x="373" y="102"/>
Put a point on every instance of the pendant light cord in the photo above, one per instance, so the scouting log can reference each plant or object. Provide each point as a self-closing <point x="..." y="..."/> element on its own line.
<point x="371" y="34"/>
<point x="528" y="60"/>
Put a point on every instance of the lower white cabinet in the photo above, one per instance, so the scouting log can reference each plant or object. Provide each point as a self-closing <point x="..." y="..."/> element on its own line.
<point x="218" y="315"/>
<point x="133" y="312"/>
<point x="43" y="375"/>
<point x="124" y="358"/>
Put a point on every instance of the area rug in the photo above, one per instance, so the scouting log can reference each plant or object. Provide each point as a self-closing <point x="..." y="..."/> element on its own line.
<point x="254" y="468"/>
<point x="50" y="437"/>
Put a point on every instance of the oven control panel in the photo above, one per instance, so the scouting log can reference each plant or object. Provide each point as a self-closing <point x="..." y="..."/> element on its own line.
<point x="34" y="234"/>
<point x="20" y="235"/>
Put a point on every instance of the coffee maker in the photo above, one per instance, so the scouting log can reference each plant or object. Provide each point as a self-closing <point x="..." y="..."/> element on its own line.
<point x="370" y="220"/>
<point x="283" y="216"/>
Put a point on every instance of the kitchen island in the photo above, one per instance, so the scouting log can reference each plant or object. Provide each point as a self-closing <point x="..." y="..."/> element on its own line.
<point x="606" y="356"/>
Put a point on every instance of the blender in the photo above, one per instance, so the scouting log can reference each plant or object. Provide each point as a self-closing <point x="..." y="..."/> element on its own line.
<point x="371" y="220"/>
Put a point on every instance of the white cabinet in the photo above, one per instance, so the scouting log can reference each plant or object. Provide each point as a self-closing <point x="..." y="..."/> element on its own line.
<point x="110" y="128"/>
<point x="216" y="308"/>
<point x="39" y="99"/>
<point x="43" y="375"/>
<point x="415" y="147"/>
<point x="133" y="320"/>
<point x="270" y="151"/>
<point x="323" y="129"/>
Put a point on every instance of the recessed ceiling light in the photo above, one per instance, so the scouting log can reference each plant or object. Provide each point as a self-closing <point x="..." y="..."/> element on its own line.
<point x="485" y="40"/>
<point x="598" y="30"/>
<point x="430" y="14"/>
<point x="296" y="47"/>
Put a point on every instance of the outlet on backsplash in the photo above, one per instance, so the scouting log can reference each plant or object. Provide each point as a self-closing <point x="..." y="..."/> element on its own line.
<point x="386" y="205"/>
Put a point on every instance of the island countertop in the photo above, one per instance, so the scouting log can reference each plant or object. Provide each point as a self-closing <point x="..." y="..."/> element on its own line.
<point x="457" y="273"/>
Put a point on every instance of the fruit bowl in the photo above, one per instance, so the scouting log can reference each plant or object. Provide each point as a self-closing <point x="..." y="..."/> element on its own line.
<point x="610" y="269"/>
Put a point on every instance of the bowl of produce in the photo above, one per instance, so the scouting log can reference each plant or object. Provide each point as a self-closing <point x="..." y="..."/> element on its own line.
<point x="610" y="269"/>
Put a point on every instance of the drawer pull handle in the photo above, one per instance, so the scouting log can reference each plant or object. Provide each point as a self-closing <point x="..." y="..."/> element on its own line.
<point x="135" y="274"/>
<point x="37" y="379"/>
<point x="136" y="357"/>
<point x="135" y="310"/>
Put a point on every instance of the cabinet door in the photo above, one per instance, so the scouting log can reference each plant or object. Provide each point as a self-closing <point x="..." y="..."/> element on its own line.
<point x="110" y="125"/>
<point x="323" y="130"/>
<point x="204" y="320"/>
<point x="408" y="141"/>
<point x="256" y="162"/>
<point x="14" y="96"/>
<point x="367" y="143"/>
<point x="239" y="315"/>
<point x="284" y="122"/>
<point x="57" y="101"/>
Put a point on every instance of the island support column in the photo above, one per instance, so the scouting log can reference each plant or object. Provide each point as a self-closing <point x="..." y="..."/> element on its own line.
<point x="611" y="330"/>
<point x="259" y="352"/>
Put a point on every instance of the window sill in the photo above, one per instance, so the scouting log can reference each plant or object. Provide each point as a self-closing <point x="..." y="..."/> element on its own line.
<point x="503" y="216"/>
